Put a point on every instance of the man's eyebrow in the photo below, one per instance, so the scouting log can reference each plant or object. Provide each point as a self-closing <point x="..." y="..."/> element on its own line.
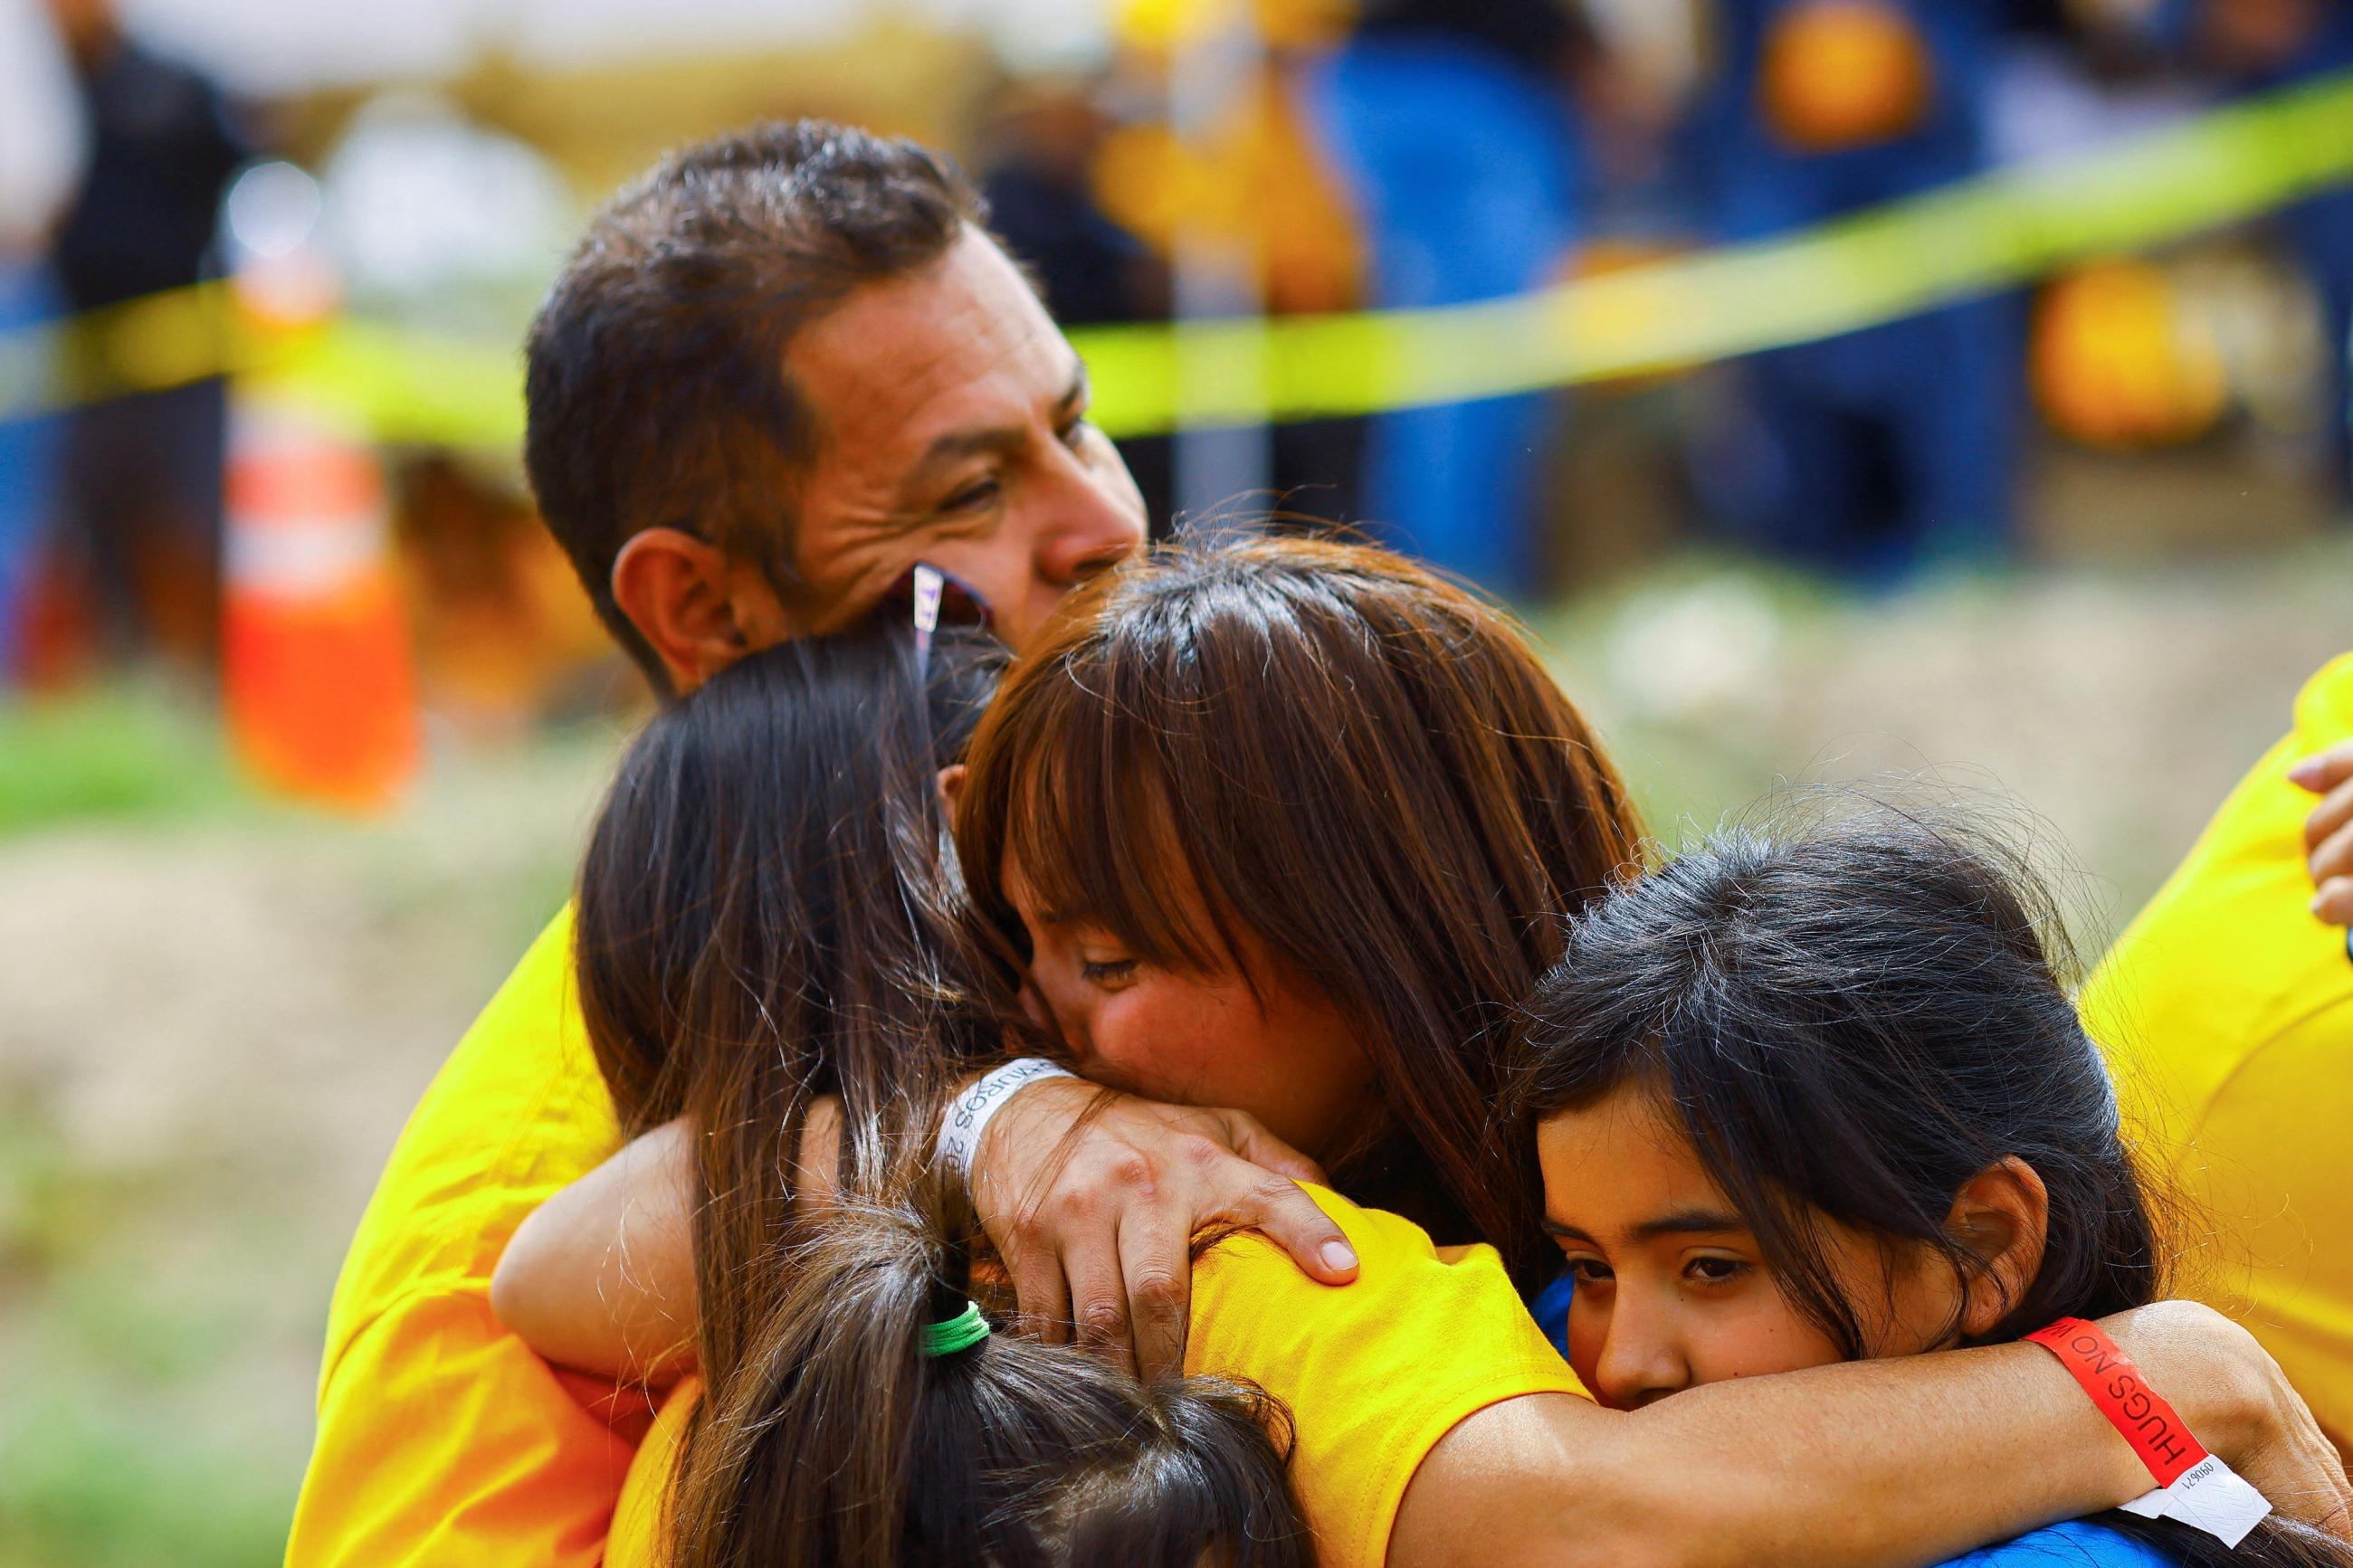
<point x="973" y="442"/>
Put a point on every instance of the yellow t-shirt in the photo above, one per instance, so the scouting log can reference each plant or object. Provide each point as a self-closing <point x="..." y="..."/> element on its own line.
<point x="1374" y="1373"/>
<point x="2228" y="1012"/>
<point x="442" y="1438"/>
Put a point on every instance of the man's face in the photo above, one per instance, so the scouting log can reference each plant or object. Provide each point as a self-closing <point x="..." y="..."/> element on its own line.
<point x="953" y="431"/>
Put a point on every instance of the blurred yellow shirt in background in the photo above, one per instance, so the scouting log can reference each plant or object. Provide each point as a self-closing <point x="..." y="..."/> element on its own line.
<point x="1374" y="1373"/>
<point x="443" y="1439"/>
<point x="2228" y="1012"/>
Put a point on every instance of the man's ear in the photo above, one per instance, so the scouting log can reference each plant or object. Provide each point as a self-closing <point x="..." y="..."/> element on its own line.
<point x="697" y="607"/>
<point x="2003" y="1214"/>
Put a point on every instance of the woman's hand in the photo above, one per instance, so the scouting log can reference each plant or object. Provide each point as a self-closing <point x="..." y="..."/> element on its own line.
<point x="2238" y="1402"/>
<point x="1093" y="1198"/>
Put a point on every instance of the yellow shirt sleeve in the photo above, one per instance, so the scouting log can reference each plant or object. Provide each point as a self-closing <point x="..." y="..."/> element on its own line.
<point x="442" y="1438"/>
<point x="1374" y="1373"/>
<point x="637" y="1538"/>
<point x="2227" y="1012"/>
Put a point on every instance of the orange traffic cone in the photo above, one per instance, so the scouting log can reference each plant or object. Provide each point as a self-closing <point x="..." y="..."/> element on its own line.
<point x="321" y="687"/>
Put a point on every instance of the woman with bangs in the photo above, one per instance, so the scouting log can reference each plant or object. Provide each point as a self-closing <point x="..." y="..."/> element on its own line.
<point x="1287" y="827"/>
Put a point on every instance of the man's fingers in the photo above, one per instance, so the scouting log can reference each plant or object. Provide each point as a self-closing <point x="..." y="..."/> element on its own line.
<point x="1264" y="1150"/>
<point x="1156" y="1265"/>
<point x="2324" y="771"/>
<point x="1099" y="1306"/>
<point x="1038" y="1285"/>
<point x="1291" y="1220"/>
<point x="2333" y="901"/>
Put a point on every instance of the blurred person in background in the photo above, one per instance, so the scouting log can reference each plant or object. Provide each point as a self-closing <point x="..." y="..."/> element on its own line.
<point x="139" y="533"/>
<point x="1450" y="123"/>
<point x="40" y="158"/>
<point x="1039" y="184"/>
<point x="2261" y="44"/>
<point x="1875" y="451"/>
<point x="1250" y="188"/>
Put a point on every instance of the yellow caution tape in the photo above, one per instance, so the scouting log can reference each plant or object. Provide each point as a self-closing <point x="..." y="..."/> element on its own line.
<point x="1966" y="238"/>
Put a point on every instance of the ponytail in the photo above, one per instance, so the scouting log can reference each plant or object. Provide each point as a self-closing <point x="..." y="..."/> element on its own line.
<point x="845" y="1441"/>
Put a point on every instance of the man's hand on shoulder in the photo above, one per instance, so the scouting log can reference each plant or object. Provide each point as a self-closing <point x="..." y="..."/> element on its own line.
<point x="1094" y="1197"/>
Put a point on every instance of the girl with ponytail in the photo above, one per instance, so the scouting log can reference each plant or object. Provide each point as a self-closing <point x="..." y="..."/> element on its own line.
<point x="881" y="1419"/>
<point x="772" y="974"/>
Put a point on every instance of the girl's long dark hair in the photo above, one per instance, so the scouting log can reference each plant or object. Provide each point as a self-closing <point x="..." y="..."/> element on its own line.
<point x="844" y="1445"/>
<point x="769" y="913"/>
<point x="1851" y="1017"/>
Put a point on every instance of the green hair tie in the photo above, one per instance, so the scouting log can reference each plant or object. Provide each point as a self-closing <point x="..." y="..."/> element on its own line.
<point x="961" y="1333"/>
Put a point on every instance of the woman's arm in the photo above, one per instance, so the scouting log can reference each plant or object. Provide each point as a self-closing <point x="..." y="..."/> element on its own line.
<point x="601" y="1276"/>
<point x="1093" y="1199"/>
<point x="1899" y="1461"/>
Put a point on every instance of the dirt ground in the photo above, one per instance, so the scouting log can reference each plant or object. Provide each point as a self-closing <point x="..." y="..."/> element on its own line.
<point x="212" y="1025"/>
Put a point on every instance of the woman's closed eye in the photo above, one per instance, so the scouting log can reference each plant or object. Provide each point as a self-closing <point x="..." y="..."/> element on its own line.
<point x="1107" y="971"/>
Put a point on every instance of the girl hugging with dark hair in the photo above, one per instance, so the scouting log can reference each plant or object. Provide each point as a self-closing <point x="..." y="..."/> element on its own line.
<point x="1821" y="1094"/>
<point x="772" y="970"/>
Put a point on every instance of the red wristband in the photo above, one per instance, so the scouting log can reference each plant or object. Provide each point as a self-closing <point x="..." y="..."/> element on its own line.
<point x="2156" y="1433"/>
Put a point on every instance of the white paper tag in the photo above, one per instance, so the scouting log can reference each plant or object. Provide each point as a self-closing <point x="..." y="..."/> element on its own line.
<point x="2209" y="1495"/>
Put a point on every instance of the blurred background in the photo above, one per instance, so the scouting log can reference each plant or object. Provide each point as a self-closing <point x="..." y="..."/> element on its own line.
<point x="1838" y="385"/>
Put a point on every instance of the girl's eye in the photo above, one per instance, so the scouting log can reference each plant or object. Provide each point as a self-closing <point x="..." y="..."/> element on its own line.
<point x="1589" y="1271"/>
<point x="1110" y="972"/>
<point x="1715" y="1270"/>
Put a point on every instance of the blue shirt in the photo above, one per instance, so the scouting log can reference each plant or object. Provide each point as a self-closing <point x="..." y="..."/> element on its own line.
<point x="2078" y="1544"/>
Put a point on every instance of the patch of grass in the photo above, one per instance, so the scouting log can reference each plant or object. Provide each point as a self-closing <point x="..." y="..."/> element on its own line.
<point x="93" y="1480"/>
<point x="126" y="1441"/>
<point x="112" y="751"/>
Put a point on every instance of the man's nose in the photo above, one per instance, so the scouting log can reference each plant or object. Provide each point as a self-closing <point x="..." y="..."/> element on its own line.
<point x="1639" y="1363"/>
<point x="1097" y="523"/>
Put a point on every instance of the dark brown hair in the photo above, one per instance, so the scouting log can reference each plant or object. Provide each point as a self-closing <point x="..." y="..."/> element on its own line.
<point x="1850" y="1017"/>
<point x="1358" y="762"/>
<point x="768" y="913"/>
<point x="764" y="918"/>
<point x="842" y="1445"/>
<point x="655" y="384"/>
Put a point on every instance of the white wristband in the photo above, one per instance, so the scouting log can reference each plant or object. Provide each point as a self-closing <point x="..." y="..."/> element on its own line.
<point x="970" y="1112"/>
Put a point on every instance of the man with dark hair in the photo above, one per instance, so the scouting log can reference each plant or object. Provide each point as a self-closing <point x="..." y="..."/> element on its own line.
<point x="785" y="365"/>
<point x="778" y="373"/>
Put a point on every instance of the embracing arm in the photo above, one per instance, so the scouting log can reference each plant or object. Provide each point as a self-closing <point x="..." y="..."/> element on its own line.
<point x="1910" y="1460"/>
<point x="600" y="1278"/>
<point x="1092" y="1197"/>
